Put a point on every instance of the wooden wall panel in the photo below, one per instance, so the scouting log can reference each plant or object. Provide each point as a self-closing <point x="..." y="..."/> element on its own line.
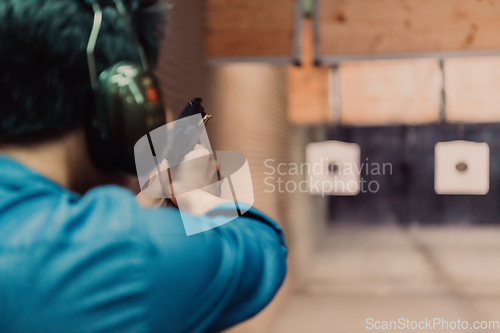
<point x="472" y="89"/>
<point x="250" y="28"/>
<point x="391" y="26"/>
<point x="308" y="95"/>
<point x="308" y="86"/>
<point x="390" y="91"/>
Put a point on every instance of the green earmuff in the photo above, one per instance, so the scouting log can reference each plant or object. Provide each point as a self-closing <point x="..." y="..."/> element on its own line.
<point x="127" y="103"/>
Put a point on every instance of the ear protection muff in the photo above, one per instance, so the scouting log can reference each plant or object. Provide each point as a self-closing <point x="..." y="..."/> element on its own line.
<point x="127" y="102"/>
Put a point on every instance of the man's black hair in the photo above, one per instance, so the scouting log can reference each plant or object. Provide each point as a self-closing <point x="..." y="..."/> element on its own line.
<point x="44" y="77"/>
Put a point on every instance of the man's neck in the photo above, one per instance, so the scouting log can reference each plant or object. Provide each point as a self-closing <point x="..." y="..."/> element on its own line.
<point x="64" y="160"/>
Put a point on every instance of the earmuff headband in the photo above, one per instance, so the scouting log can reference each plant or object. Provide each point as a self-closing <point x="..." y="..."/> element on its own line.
<point x="94" y="34"/>
<point x="96" y="27"/>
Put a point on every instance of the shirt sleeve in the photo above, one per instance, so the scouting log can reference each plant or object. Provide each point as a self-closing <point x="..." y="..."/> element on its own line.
<point x="101" y="263"/>
<point x="210" y="281"/>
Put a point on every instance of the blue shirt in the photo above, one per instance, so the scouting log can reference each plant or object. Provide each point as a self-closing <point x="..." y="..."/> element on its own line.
<point x="101" y="263"/>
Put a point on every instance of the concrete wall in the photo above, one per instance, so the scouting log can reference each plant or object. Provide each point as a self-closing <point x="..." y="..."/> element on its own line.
<point x="248" y="104"/>
<point x="181" y="68"/>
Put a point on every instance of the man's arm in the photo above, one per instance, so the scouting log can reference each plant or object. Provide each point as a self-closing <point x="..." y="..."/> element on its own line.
<point x="213" y="280"/>
<point x="224" y="275"/>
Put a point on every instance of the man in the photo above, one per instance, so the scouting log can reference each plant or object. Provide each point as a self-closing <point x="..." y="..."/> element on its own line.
<point x="77" y="256"/>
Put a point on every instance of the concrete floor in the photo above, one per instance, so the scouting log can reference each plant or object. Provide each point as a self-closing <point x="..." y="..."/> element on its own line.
<point x="388" y="273"/>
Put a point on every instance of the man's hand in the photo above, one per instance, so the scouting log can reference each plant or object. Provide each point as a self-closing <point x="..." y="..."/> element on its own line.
<point x="188" y="177"/>
<point x="197" y="170"/>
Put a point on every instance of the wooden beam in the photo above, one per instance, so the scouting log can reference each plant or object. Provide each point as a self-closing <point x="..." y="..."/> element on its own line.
<point x="250" y="28"/>
<point x="308" y="85"/>
<point x="390" y="92"/>
<point x="399" y="26"/>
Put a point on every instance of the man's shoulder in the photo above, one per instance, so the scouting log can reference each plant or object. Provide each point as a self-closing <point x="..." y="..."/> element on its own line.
<point x="85" y="252"/>
<point x="40" y="215"/>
